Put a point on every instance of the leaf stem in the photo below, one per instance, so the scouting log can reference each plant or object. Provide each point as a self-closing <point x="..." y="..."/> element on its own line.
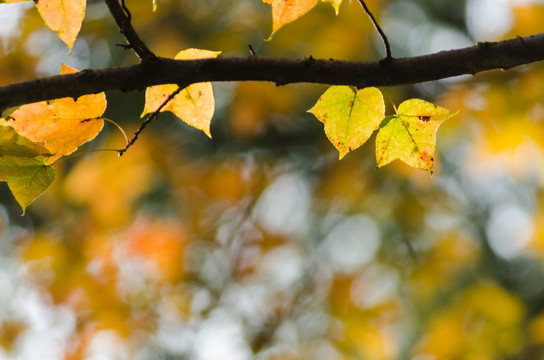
<point x="79" y="153"/>
<point x="118" y="127"/>
<point x="390" y="100"/>
<point x="380" y="31"/>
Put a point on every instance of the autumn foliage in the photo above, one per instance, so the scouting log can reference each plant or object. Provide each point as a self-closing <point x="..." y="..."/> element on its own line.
<point x="62" y="125"/>
<point x="249" y="220"/>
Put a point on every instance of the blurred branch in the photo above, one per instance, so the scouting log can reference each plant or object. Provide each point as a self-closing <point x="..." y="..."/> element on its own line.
<point x="480" y="57"/>
<point x="122" y="17"/>
<point x="380" y="31"/>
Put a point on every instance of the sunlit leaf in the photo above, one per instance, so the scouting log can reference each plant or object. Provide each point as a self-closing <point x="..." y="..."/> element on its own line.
<point x="64" y="17"/>
<point x="411" y="134"/>
<point x="286" y="11"/>
<point x="194" y="105"/>
<point x="350" y="117"/>
<point x="62" y="124"/>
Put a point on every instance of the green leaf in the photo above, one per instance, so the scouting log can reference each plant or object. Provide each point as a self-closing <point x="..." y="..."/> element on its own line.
<point x="27" y="178"/>
<point x="411" y="134"/>
<point x="350" y="117"/>
<point x="23" y="166"/>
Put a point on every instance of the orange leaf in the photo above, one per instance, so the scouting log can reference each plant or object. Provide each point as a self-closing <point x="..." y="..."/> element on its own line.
<point x="62" y="124"/>
<point x="194" y="104"/>
<point x="64" y="17"/>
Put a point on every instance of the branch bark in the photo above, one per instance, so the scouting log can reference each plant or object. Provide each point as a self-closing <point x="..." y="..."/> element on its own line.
<point x="122" y="17"/>
<point x="472" y="60"/>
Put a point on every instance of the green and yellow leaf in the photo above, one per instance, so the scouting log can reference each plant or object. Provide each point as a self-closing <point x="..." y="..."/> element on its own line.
<point x="13" y="144"/>
<point x="411" y="134"/>
<point x="194" y="104"/>
<point x="27" y="178"/>
<point x="350" y="117"/>
<point x="62" y="124"/>
<point x="23" y="166"/>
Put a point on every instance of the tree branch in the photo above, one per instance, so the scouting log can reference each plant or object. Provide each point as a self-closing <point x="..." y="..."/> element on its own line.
<point x="483" y="56"/>
<point x="122" y="17"/>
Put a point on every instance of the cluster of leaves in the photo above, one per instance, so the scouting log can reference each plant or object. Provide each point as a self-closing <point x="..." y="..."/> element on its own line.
<point x="60" y="126"/>
<point x="351" y="117"/>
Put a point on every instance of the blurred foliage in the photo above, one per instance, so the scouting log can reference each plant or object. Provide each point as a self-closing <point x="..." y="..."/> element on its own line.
<point x="260" y="243"/>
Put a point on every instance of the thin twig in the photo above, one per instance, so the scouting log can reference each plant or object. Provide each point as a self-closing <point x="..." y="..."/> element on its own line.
<point x="79" y="153"/>
<point x="122" y="17"/>
<point x="125" y="9"/>
<point x="377" y="26"/>
<point x="147" y="121"/>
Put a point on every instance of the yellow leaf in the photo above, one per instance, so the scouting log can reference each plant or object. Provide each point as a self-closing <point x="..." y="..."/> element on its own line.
<point x="335" y="4"/>
<point x="194" y="104"/>
<point x="62" y="124"/>
<point x="286" y="11"/>
<point x="64" y="17"/>
<point x="350" y="117"/>
<point x="411" y="134"/>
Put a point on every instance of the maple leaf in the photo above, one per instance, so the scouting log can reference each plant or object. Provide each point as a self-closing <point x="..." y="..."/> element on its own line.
<point x="64" y="17"/>
<point x="62" y="124"/>
<point x="411" y="134"/>
<point x="350" y="117"/>
<point x="194" y="104"/>
<point x="23" y="166"/>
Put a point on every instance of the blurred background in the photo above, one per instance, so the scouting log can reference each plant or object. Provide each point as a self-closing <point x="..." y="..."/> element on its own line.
<point x="260" y="243"/>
